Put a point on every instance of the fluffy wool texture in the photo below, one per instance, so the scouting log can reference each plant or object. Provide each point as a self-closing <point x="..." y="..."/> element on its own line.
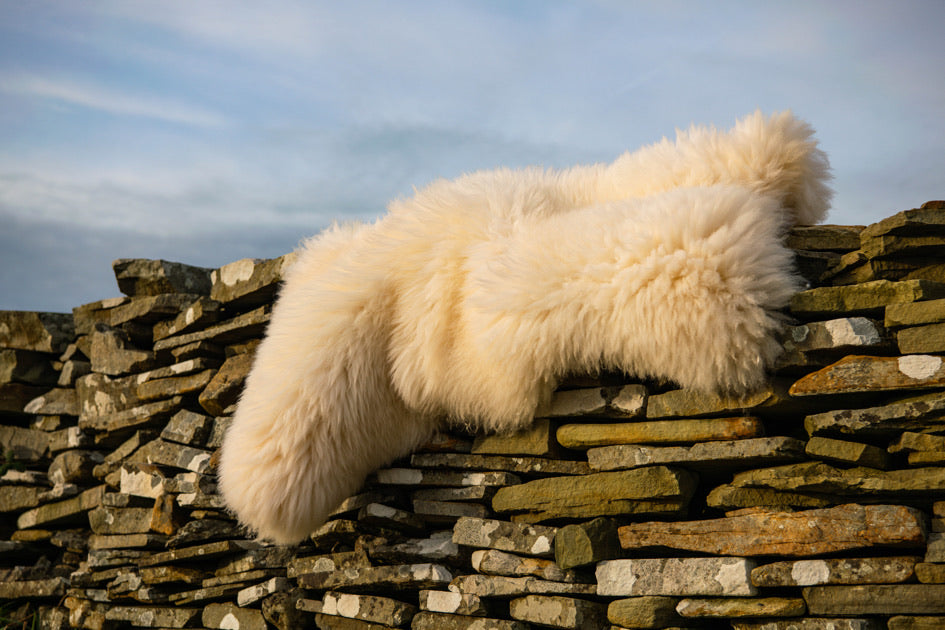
<point x="470" y="300"/>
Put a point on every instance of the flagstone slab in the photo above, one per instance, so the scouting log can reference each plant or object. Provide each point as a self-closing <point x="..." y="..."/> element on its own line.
<point x="921" y="339"/>
<point x="532" y="540"/>
<point x="521" y="465"/>
<point x="876" y="599"/>
<point x="26" y="366"/>
<point x="404" y="576"/>
<point x="860" y="374"/>
<point x="39" y="332"/>
<point x="504" y="586"/>
<point x="839" y="238"/>
<point x="586" y="543"/>
<point x="921" y="413"/>
<point x="231" y="617"/>
<point x="842" y="451"/>
<point x="730" y="607"/>
<point x="686" y="403"/>
<point x="867" y="298"/>
<point x="249" y="281"/>
<point x="495" y="562"/>
<point x="916" y="623"/>
<point x="860" y="482"/>
<point x="626" y="401"/>
<point x="648" y="611"/>
<point x="454" y="603"/>
<point x="537" y="440"/>
<point x="583" y="436"/>
<point x="368" y="608"/>
<point x="558" y="612"/>
<point x="880" y="570"/>
<point x="675" y="577"/>
<point x="61" y="511"/>
<point x="809" y="623"/>
<point x="650" y="490"/>
<point x="915" y="313"/>
<point x="750" y="452"/>
<point x="770" y="533"/>
<point x="440" y="621"/>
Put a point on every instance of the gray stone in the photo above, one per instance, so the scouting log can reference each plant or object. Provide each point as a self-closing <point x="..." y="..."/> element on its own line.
<point x="582" y="436"/>
<point x="368" y="608"/>
<point x="62" y="511"/>
<point x="627" y="401"/>
<point x="453" y="603"/>
<point x="437" y="548"/>
<point x="74" y="466"/>
<point x="839" y="238"/>
<point x="252" y="594"/>
<point x="39" y="332"/>
<point x="651" y="490"/>
<point x="847" y="333"/>
<point x="861" y="483"/>
<point x="910" y="442"/>
<point x="468" y="493"/>
<point x="225" y="387"/>
<point x="392" y="518"/>
<point x="30" y="589"/>
<point x="440" y="621"/>
<point x="150" y="414"/>
<point x="140" y="277"/>
<point x="495" y="562"/>
<point x="70" y="437"/>
<point x="558" y="612"/>
<point x="149" y="309"/>
<point x="586" y="543"/>
<point x="54" y="402"/>
<point x="127" y="541"/>
<point x="675" y="577"/>
<point x="876" y="599"/>
<point x="687" y="403"/>
<point x="860" y="374"/>
<point x="249" y="325"/>
<point x="532" y="540"/>
<point x="448" y="512"/>
<point x="198" y="552"/>
<point x="164" y="388"/>
<point x="187" y="427"/>
<point x="113" y="354"/>
<point x="536" y="440"/>
<point x="868" y="298"/>
<point x="831" y="450"/>
<point x="415" y="477"/>
<point x="502" y="586"/>
<point x="27" y="445"/>
<point x="918" y="414"/>
<point x="885" y="570"/>
<point x="404" y="576"/>
<point x="108" y="520"/>
<point x="250" y="281"/>
<point x="650" y="611"/>
<point x="740" y="608"/>
<point x="762" y="451"/>
<point x="153" y="616"/>
<point x="230" y="616"/>
<point x="524" y="465"/>
<point x="100" y="395"/>
<point x="72" y="371"/>
<point x="326" y="563"/>
<point x="198" y="314"/>
<point x="24" y="366"/>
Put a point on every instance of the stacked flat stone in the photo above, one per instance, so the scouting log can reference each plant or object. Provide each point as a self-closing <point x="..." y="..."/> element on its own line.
<point x="816" y="502"/>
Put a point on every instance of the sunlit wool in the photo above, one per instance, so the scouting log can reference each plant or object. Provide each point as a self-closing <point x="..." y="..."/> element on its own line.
<point x="468" y="301"/>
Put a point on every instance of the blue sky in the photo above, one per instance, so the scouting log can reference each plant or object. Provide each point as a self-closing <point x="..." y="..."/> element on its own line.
<point x="209" y="131"/>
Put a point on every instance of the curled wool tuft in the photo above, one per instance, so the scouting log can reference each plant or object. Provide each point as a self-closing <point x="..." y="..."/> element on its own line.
<point x="468" y="301"/>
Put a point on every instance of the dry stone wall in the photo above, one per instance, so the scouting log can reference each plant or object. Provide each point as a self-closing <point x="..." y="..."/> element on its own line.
<point x="815" y="503"/>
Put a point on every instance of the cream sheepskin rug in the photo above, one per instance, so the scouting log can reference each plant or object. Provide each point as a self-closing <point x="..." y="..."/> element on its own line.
<point x="468" y="301"/>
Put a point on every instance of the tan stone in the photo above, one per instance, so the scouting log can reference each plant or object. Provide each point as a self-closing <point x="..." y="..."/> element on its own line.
<point x="682" y="403"/>
<point x="651" y="611"/>
<point x="811" y="532"/>
<point x="930" y="572"/>
<point x="39" y="332"/>
<point x="742" y="607"/>
<point x="831" y="450"/>
<point x="225" y="387"/>
<point x="876" y="599"/>
<point x="537" y="440"/>
<point x="652" y="490"/>
<point x="825" y="237"/>
<point x="710" y="455"/>
<point x="915" y="313"/>
<point x="858" y="483"/>
<point x="582" y="436"/>
<point x="529" y="465"/>
<point x="675" y="577"/>
<point x="495" y="562"/>
<point x="558" y="612"/>
<point x="919" y="414"/>
<point x="916" y="623"/>
<point x="921" y="339"/>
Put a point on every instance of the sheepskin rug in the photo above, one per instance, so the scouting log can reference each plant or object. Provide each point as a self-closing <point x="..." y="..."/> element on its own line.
<point x="470" y="300"/>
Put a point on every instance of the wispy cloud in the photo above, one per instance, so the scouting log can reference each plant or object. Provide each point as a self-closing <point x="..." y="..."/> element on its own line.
<point x="111" y="101"/>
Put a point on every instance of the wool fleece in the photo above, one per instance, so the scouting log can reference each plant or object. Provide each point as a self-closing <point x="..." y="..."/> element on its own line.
<point x="470" y="300"/>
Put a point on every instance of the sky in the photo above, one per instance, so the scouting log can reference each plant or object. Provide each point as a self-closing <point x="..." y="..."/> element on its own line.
<point x="206" y="132"/>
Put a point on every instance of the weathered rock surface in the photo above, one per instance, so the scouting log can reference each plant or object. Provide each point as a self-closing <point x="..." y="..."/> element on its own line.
<point x="557" y="612"/>
<point x="885" y="570"/>
<point x="873" y="599"/>
<point x="37" y="332"/>
<point x="857" y="374"/>
<point x="141" y="277"/>
<point x="868" y="298"/>
<point x="675" y="577"/>
<point x="659" y="432"/>
<point x="739" y="608"/>
<point x="586" y="543"/>
<point x="532" y="540"/>
<point x="653" y="490"/>
<point x="648" y="611"/>
<point x="745" y="453"/>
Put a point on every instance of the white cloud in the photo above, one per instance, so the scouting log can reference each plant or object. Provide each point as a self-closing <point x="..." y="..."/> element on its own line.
<point x="109" y="100"/>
